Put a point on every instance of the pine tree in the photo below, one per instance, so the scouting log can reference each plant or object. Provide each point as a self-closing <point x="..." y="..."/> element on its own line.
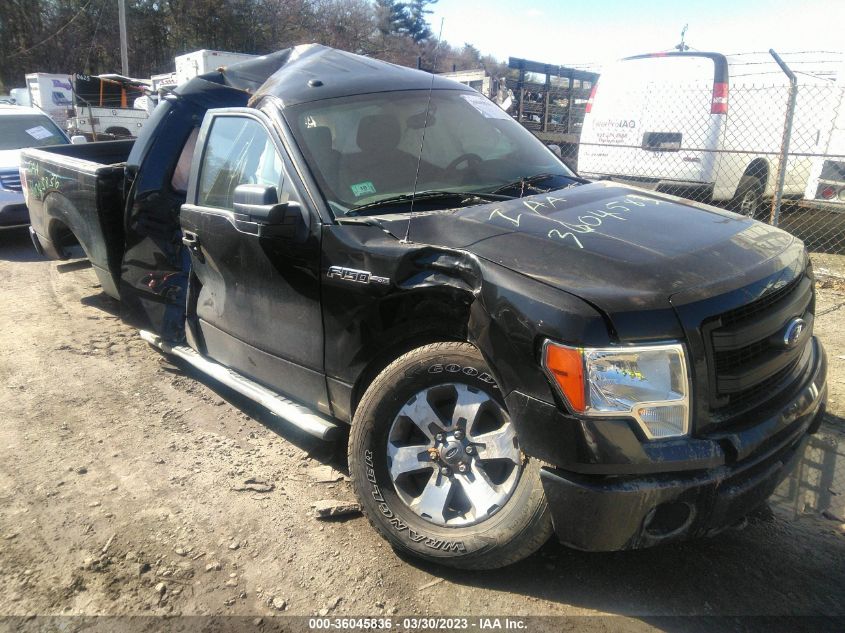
<point x="415" y="21"/>
<point x="391" y="17"/>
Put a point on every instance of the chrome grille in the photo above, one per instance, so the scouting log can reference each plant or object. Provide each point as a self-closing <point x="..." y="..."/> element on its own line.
<point x="11" y="181"/>
<point x="750" y="362"/>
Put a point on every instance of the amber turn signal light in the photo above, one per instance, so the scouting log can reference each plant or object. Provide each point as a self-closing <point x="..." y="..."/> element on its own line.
<point x="566" y="366"/>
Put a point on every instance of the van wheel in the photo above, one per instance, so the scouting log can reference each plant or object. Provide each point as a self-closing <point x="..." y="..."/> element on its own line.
<point x="748" y="200"/>
<point x="436" y="464"/>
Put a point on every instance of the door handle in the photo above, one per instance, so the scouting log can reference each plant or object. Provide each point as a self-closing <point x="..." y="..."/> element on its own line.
<point x="191" y="240"/>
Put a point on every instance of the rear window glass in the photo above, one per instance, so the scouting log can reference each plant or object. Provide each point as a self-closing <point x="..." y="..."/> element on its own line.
<point x="18" y="131"/>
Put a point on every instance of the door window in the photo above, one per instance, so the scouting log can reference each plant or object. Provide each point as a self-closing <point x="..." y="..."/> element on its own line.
<point x="238" y="151"/>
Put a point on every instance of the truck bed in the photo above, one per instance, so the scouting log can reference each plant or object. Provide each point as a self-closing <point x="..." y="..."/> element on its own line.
<point x="88" y="155"/>
<point x="75" y="195"/>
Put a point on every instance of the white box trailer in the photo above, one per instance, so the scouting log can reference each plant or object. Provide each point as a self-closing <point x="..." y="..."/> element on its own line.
<point x="704" y="125"/>
<point x="164" y="80"/>
<point x="200" y="62"/>
<point x="52" y="94"/>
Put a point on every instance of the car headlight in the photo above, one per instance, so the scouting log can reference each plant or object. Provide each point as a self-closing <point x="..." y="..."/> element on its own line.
<point x="649" y="383"/>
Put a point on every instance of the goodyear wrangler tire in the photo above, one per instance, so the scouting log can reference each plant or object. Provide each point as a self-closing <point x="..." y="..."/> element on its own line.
<point x="436" y="464"/>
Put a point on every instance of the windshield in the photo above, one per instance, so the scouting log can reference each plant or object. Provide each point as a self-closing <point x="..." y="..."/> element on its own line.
<point x="28" y="130"/>
<point x="365" y="148"/>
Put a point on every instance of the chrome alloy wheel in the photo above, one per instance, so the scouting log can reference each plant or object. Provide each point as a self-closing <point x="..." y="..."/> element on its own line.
<point x="453" y="455"/>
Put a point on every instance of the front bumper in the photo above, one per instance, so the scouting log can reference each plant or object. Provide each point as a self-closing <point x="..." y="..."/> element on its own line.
<point x="13" y="211"/>
<point x="712" y="481"/>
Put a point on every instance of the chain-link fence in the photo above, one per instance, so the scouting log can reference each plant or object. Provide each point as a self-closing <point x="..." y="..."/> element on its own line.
<point x="817" y="484"/>
<point x="745" y="133"/>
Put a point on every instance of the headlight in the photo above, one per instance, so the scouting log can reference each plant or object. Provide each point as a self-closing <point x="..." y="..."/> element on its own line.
<point x="648" y="383"/>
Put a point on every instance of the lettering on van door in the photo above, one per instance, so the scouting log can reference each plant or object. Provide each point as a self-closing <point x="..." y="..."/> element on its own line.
<point x="614" y="131"/>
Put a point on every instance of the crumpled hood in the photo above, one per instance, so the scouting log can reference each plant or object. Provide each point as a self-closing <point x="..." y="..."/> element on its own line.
<point x="9" y="159"/>
<point x="619" y="247"/>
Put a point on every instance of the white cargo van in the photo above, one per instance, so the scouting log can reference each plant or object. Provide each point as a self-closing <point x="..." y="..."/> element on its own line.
<point x="826" y="184"/>
<point x="706" y="126"/>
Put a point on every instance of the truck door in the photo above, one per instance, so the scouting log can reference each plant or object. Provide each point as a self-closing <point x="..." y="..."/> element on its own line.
<point x="153" y="276"/>
<point x="253" y="296"/>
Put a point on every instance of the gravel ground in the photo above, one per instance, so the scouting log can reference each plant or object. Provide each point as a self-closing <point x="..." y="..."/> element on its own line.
<point x="128" y="486"/>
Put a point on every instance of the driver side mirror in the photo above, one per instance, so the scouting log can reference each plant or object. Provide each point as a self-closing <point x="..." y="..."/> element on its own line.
<point x="282" y="220"/>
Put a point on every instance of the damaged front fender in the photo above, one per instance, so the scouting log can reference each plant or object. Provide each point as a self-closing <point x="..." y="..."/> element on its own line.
<point x="382" y="296"/>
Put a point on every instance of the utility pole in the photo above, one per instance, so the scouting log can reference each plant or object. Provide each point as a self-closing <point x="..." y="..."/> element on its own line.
<point x="683" y="46"/>
<point x="124" y="49"/>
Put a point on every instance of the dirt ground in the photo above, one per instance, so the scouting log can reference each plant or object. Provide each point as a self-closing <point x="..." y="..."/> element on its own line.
<point x="123" y="490"/>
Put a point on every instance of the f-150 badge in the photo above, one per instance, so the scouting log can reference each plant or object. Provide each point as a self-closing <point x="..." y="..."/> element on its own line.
<point x="358" y="276"/>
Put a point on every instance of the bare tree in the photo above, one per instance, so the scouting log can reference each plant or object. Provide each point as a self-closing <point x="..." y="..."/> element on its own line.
<point x="81" y="36"/>
<point x="346" y="24"/>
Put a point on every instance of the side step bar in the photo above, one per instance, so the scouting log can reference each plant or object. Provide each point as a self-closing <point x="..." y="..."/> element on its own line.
<point x="299" y="415"/>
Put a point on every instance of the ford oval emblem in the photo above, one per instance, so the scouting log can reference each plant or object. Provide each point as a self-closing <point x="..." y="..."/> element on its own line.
<point x="792" y="333"/>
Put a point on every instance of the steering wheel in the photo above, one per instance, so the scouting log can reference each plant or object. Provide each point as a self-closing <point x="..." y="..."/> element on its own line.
<point x="472" y="160"/>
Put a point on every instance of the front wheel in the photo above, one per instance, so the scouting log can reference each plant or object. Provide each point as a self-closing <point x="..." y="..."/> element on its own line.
<point x="436" y="463"/>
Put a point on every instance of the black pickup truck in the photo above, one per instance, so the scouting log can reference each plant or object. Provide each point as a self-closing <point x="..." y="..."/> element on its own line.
<point x="517" y="350"/>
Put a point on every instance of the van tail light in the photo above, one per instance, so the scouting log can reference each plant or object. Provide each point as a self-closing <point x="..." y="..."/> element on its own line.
<point x="590" y="100"/>
<point x="719" y="105"/>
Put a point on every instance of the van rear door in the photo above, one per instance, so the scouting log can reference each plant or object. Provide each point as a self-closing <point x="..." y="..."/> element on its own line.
<point x="656" y="118"/>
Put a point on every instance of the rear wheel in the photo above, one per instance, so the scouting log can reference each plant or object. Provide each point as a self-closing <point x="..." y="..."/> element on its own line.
<point x="437" y="466"/>
<point x="66" y="243"/>
<point x="748" y="200"/>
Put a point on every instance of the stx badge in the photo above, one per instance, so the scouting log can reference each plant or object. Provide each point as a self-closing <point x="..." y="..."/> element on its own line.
<point x="358" y="276"/>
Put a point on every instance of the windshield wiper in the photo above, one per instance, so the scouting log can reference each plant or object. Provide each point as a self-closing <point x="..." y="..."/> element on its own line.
<point x="529" y="181"/>
<point x="347" y="219"/>
<point x="464" y="196"/>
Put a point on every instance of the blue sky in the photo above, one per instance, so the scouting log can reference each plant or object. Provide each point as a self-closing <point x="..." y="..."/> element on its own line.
<point x="600" y="31"/>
